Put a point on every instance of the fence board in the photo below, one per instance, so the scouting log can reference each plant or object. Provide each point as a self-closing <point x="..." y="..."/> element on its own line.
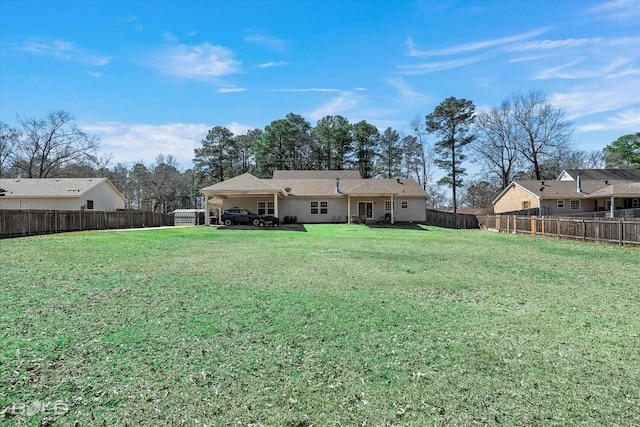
<point x="451" y="220"/>
<point x="14" y="223"/>
<point x="621" y="231"/>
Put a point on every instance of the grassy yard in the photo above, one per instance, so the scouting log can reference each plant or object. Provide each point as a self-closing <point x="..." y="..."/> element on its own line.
<point x="342" y="325"/>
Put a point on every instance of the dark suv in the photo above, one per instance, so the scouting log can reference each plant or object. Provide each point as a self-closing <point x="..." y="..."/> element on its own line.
<point x="239" y="216"/>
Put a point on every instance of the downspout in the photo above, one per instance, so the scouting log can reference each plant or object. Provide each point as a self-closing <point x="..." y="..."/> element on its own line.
<point x="339" y="192"/>
<point x="207" y="214"/>
<point x="392" y="211"/>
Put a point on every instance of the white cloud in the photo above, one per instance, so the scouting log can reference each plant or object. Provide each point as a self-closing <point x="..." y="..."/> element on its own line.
<point x="347" y="101"/>
<point x="134" y="142"/>
<point x="598" y="98"/>
<point x="268" y="41"/>
<point x="313" y="89"/>
<point x="170" y="37"/>
<point x="615" y="10"/>
<point x="200" y="62"/>
<point x="64" y="50"/>
<point x="239" y="129"/>
<point x="552" y="44"/>
<point x="271" y="64"/>
<point x="407" y="93"/>
<point x="615" y="68"/>
<point x="430" y="67"/>
<point x="131" y="143"/>
<point x="624" y="121"/>
<point x="472" y="46"/>
<point x="231" y="89"/>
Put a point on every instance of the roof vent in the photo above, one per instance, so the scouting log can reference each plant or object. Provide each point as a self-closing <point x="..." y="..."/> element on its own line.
<point x="288" y="190"/>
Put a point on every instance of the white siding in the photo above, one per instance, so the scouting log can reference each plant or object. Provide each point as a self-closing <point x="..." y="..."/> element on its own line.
<point x="104" y="197"/>
<point x="59" y="204"/>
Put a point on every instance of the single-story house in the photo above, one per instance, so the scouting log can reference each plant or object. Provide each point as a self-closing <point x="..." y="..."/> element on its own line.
<point x="576" y="191"/>
<point x="68" y="194"/>
<point x="338" y="196"/>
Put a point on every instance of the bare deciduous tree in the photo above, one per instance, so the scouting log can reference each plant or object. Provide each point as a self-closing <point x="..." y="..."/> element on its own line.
<point x="543" y="133"/>
<point x="496" y="145"/>
<point x="50" y="144"/>
<point x="8" y="141"/>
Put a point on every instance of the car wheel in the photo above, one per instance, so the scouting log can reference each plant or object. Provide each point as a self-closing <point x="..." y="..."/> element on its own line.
<point x="262" y="224"/>
<point x="227" y="222"/>
<point x="257" y="222"/>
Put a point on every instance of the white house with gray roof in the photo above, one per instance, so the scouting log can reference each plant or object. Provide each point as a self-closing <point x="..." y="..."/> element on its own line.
<point x="334" y="196"/>
<point x="70" y="194"/>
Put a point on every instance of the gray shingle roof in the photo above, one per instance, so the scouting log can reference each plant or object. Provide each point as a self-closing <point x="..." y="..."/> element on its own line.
<point x="559" y="189"/>
<point x="48" y="187"/>
<point x="591" y="189"/>
<point x="316" y="187"/>
<point x="617" y="189"/>
<point x="605" y="174"/>
<point x="241" y="183"/>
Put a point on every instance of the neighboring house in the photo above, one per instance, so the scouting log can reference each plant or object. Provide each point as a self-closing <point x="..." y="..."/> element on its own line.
<point x="69" y="194"/>
<point x="471" y="211"/>
<point x="576" y="191"/>
<point x="321" y="196"/>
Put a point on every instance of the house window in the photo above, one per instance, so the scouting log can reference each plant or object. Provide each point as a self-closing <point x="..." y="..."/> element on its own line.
<point x="560" y="204"/>
<point x="387" y="205"/>
<point x="266" y="208"/>
<point x="319" y="207"/>
<point x="89" y="204"/>
<point x="404" y="204"/>
<point x="635" y="203"/>
<point x="575" y="205"/>
<point x="525" y="205"/>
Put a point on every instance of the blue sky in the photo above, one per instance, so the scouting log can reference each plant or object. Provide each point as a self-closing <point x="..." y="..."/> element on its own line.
<point x="152" y="77"/>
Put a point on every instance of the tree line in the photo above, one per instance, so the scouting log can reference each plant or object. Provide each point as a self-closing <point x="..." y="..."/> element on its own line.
<point x="526" y="137"/>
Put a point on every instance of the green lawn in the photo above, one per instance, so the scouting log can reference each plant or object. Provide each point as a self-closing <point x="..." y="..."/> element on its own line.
<point x="342" y="325"/>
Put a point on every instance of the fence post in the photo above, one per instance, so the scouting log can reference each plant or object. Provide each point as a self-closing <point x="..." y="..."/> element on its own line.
<point x="620" y="233"/>
<point x="584" y="231"/>
<point x="533" y="225"/>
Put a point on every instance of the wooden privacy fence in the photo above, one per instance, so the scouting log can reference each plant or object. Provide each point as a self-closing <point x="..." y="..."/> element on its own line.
<point x="14" y="223"/>
<point x="621" y="231"/>
<point x="451" y="220"/>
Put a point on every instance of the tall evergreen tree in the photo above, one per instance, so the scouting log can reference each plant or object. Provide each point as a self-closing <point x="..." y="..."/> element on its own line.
<point x="214" y="159"/>
<point x="390" y="159"/>
<point x="367" y="139"/>
<point x="336" y="141"/>
<point x="451" y="121"/>
<point x="624" y="152"/>
<point x="285" y="144"/>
